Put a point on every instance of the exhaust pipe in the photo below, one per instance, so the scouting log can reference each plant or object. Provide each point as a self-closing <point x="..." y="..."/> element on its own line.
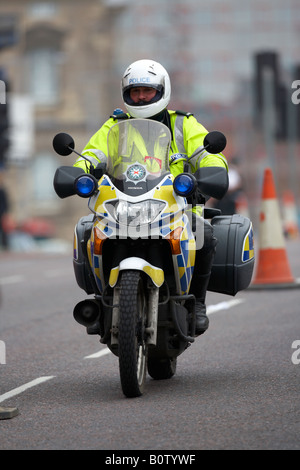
<point x="86" y="312"/>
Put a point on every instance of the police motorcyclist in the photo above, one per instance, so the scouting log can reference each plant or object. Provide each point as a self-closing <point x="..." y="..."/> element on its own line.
<point x="146" y="92"/>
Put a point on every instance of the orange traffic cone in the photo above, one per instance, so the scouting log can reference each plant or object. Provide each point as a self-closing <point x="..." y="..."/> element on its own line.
<point x="273" y="268"/>
<point x="290" y="217"/>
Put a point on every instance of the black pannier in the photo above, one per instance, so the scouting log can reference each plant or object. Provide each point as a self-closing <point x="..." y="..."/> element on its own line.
<point x="234" y="260"/>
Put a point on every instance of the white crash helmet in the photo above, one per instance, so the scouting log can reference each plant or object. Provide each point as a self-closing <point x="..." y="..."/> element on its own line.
<point x="146" y="73"/>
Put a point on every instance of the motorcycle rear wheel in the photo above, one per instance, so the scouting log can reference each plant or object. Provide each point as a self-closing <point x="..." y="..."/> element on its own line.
<point x="131" y="335"/>
<point x="160" y="369"/>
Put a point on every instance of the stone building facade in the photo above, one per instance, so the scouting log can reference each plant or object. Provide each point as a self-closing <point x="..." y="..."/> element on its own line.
<point x="59" y="80"/>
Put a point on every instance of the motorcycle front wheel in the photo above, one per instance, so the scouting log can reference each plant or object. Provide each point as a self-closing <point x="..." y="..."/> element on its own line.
<point x="131" y="334"/>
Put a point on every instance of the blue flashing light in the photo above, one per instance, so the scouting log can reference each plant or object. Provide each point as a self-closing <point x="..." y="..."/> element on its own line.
<point x="184" y="184"/>
<point x="85" y="185"/>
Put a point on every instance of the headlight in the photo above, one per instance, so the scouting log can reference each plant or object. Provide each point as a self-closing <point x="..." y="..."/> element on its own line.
<point x="85" y="185"/>
<point x="138" y="213"/>
<point x="184" y="184"/>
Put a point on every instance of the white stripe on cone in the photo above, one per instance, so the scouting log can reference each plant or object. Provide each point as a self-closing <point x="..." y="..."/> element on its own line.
<point x="270" y="227"/>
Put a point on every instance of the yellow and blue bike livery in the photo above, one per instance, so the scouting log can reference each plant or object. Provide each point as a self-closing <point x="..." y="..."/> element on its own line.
<point x="135" y="252"/>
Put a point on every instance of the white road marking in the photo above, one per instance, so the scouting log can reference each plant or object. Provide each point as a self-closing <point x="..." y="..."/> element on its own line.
<point x="223" y="305"/>
<point x="103" y="352"/>
<point x="11" y="279"/>
<point x="22" y="388"/>
<point x="55" y="273"/>
<point x="21" y="278"/>
<point x="100" y="353"/>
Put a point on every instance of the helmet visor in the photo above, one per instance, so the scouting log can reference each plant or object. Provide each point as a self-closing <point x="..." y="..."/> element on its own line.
<point x="128" y="100"/>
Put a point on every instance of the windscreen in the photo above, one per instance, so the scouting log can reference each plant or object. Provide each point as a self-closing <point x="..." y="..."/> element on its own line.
<point x="138" y="154"/>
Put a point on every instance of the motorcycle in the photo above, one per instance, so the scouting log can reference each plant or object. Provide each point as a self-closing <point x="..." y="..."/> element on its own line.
<point x="135" y="253"/>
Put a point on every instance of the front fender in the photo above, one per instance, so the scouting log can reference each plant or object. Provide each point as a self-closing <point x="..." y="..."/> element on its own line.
<point x="134" y="263"/>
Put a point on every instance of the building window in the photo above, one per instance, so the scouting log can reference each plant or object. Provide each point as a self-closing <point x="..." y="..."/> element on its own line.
<point x="44" y="167"/>
<point x="43" y="76"/>
<point x="42" y="10"/>
<point x="43" y="51"/>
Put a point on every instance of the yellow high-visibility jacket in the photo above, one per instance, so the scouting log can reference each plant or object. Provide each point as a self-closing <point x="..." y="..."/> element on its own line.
<point x="187" y="141"/>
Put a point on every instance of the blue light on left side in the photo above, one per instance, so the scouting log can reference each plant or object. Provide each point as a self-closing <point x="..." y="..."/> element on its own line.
<point x="85" y="186"/>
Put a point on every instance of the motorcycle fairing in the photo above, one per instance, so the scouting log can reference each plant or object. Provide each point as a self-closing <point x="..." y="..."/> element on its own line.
<point x="96" y="264"/>
<point x="170" y="219"/>
<point x="75" y="245"/>
<point x="184" y="262"/>
<point x="108" y="193"/>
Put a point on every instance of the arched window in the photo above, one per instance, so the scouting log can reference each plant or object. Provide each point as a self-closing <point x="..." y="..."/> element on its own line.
<point x="43" y="46"/>
<point x="43" y="170"/>
<point x="44" y="83"/>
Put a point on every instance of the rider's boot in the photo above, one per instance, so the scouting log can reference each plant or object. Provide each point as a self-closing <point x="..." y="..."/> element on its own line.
<point x="202" y="321"/>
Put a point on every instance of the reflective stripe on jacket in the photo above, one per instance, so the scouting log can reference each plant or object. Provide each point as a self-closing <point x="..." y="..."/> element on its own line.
<point x="187" y="134"/>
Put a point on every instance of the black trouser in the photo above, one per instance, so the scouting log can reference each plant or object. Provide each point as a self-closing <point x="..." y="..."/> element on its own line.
<point x="203" y="264"/>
